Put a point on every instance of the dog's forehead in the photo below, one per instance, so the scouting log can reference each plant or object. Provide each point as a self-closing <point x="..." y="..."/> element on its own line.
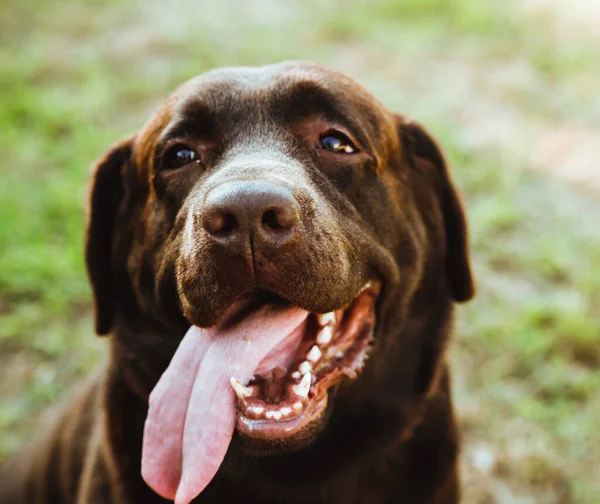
<point x="269" y="79"/>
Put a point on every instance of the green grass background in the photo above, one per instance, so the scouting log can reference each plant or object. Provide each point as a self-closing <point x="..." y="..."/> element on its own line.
<point x="490" y="79"/>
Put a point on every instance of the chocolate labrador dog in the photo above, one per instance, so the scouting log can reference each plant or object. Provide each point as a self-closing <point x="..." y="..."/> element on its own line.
<point x="275" y="257"/>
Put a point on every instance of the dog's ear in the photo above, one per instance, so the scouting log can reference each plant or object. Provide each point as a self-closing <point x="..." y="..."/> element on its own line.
<point x="106" y="193"/>
<point x="420" y="147"/>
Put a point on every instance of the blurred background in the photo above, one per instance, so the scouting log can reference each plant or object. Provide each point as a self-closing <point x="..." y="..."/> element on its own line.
<point x="512" y="91"/>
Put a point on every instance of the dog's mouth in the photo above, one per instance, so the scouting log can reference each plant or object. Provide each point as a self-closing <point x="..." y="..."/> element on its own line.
<point x="280" y="361"/>
<point x="289" y="389"/>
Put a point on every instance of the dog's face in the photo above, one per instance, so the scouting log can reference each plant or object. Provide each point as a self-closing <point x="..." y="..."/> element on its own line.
<point x="281" y="205"/>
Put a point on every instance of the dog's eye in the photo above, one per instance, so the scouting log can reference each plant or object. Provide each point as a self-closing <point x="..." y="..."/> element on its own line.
<point x="336" y="142"/>
<point x="179" y="155"/>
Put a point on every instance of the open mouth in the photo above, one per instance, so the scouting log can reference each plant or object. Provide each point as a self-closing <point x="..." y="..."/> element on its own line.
<point x="289" y="387"/>
<point x="280" y="361"/>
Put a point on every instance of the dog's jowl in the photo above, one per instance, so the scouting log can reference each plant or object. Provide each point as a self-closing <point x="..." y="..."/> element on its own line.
<point x="274" y="258"/>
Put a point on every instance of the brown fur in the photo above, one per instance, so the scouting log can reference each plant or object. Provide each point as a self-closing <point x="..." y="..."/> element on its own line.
<point x="390" y="213"/>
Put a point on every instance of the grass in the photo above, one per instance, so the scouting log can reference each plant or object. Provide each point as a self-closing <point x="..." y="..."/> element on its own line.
<point x="486" y="78"/>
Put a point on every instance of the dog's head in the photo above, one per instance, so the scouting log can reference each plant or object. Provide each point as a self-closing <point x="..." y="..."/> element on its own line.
<point x="294" y="228"/>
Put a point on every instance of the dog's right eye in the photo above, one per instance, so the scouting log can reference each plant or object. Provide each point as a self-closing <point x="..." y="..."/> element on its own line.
<point x="178" y="156"/>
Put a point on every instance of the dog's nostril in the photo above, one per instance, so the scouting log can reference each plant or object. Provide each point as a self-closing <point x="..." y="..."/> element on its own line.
<point x="228" y="223"/>
<point x="280" y="219"/>
<point x="272" y="220"/>
<point x="220" y="223"/>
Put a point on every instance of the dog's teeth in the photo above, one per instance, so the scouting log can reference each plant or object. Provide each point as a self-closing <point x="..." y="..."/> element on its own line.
<point x="314" y="354"/>
<point x="273" y="415"/>
<point x="325" y="319"/>
<point x="257" y="410"/>
<point x="286" y="411"/>
<point x="303" y="387"/>
<point x="298" y="407"/>
<point x="296" y="375"/>
<point x="241" y="391"/>
<point x="325" y="335"/>
<point x="304" y="368"/>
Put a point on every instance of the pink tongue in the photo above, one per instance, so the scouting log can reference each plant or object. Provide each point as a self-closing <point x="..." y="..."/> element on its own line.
<point x="192" y="410"/>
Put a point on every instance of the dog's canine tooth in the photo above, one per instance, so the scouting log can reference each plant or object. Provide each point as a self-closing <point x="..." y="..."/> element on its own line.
<point x="325" y="335"/>
<point x="304" y="368"/>
<point x="239" y="389"/>
<point x="314" y="354"/>
<point x="303" y="387"/>
<point x="326" y="319"/>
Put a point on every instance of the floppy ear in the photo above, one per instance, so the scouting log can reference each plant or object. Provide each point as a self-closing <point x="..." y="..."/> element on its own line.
<point x="106" y="193"/>
<point x="419" y="146"/>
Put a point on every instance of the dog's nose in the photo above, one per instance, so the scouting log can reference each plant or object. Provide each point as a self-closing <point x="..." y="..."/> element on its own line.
<point x="258" y="207"/>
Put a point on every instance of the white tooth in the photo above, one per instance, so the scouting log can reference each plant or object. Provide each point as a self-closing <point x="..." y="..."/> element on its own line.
<point x="241" y="391"/>
<point x="286" y="411"/>
<point x="303" y="387"/>
<point x="325" y="319"/>
<point x="314" y="354"/>
<point x="298" y="407"/>
<point x="273" y="414"/>
<point x="296" y="375"/>
<point x="305" y="367"/>
<point x="325" y="335"/>
<point x="256" y="409"/>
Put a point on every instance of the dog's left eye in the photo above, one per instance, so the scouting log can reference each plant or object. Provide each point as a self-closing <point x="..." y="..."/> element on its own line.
<point x="337" y="142"/>
<point x="179" y="155"/>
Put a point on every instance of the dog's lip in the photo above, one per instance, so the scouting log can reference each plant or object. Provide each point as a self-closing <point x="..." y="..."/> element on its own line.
<point x="256" y="297"/>
<point x="349" y="349"/>
<point x="247" y="303"/>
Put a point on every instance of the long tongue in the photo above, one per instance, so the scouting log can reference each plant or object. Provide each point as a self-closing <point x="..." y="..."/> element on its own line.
<point x="192" y="410"/>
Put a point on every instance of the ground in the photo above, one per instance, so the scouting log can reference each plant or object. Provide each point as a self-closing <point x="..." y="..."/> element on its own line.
<point x="511" y="89"/>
